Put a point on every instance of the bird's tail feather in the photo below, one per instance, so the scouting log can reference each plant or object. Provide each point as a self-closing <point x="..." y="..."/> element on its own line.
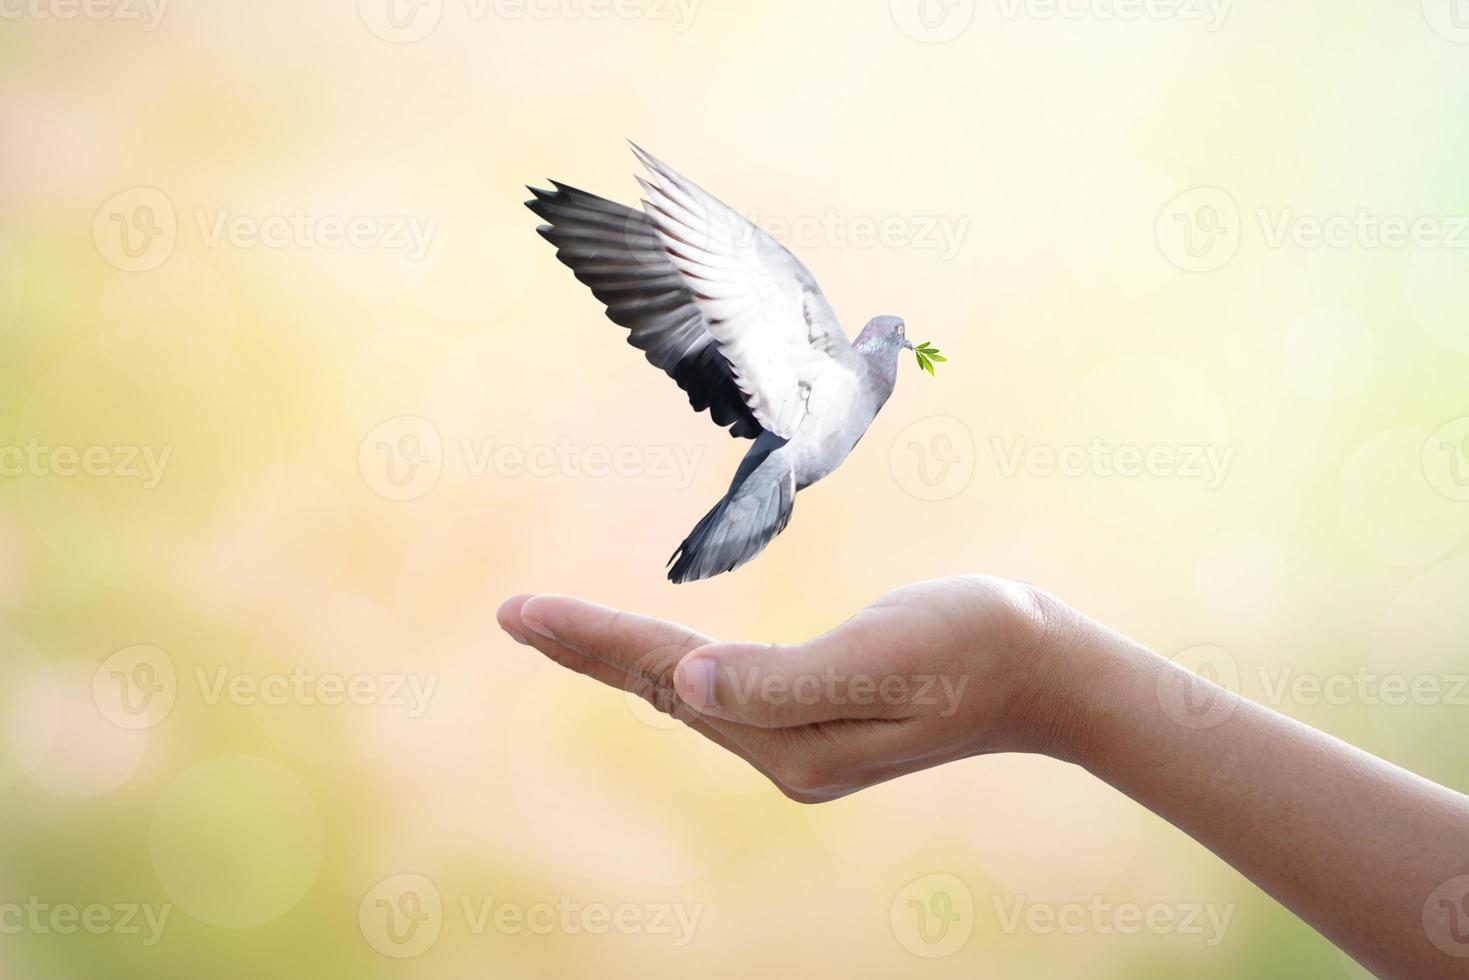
<point x="738" y="528"/>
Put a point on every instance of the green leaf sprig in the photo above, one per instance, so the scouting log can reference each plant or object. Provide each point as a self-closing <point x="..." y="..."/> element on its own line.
<point x="927" y="354"/>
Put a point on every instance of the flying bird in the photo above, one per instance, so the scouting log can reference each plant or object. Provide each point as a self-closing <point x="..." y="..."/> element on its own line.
<point x="740" y="324"/>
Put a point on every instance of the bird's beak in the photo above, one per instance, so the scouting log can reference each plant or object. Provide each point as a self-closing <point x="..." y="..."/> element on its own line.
<point x="907" y="343"/>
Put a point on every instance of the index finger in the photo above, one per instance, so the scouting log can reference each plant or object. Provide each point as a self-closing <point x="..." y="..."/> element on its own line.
<point x="624" y="640"/>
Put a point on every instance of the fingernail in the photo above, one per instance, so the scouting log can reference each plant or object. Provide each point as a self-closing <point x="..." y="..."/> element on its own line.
<point x="509" y="612"/>
<point x="694" y="681"/>
<point x="538" y="626"/>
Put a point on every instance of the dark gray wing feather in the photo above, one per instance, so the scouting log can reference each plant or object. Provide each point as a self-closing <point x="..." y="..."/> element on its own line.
<point x="615" y="251"/>
<point x="756" y="509"/>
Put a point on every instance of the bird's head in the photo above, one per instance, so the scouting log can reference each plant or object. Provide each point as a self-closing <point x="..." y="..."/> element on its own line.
<point x="880" y="343"/>
<point x="885" y="332"/>
<point x="884" y="336"/>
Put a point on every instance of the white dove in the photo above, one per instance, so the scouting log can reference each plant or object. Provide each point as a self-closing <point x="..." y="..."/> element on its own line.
<point x="741" y="325"/>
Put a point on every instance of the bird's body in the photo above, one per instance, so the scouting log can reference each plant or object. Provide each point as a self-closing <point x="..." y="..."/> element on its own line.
<point x="743" y="328"/>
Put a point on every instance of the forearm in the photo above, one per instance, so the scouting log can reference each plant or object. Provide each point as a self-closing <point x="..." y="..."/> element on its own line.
<point x="1365" y="852"/>
<point x="1353" y="845"/>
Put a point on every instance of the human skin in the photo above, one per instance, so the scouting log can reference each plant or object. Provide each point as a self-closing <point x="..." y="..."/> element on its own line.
<point x="1365" y="852"/>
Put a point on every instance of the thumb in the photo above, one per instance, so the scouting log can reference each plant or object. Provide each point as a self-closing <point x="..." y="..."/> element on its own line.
<point x="780" y="686"/>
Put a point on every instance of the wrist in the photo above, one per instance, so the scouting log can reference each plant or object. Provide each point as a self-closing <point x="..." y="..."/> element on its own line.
<point x="1077" y="680"/>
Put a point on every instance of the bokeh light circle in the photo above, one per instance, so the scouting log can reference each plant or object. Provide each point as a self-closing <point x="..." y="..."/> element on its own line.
<point x="1389" y="509"/>
<point x="20" y="663"/>
<point x="156" y="462"/>
<point x="1436" y="278"/>
<point x="64" y="742"/>
<point x="1241" y="576"/>
<point x="236" y="841"/>
<point x="1046" y="829"/>
<point x="1146" y="441"/>
<point x="1419" y="691"/>
<point x="1105" y="228"/>
<point x="579" y="752"/>
<point x="12" y="284"/>
<point x="883" y="824"/>
<point x="281" y="532"/>
<point x="1329" y="354"/>
<point x="173" y="328"/>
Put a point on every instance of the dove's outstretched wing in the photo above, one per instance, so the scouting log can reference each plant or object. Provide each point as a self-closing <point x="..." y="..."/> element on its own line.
<point x="788" y="354"/>
<point x="615" y="251"/>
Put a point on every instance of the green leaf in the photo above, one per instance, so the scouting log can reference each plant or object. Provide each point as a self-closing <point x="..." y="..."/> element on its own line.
<point x="927" y="354"/>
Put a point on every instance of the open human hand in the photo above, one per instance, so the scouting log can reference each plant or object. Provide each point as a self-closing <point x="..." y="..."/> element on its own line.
<point x="924" y="675"/>
<point x="1369" y="854"/>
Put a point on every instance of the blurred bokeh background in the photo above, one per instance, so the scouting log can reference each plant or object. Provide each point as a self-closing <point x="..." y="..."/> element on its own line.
<point x="292" y="396"/>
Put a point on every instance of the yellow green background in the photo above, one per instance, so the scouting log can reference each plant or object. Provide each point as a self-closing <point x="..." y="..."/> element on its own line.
<point x="1336" y="542"/>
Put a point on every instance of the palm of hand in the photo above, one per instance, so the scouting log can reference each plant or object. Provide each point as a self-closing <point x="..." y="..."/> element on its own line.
<point x="924" y="675"/>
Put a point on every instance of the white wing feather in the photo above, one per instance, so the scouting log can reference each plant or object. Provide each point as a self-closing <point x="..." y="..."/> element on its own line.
<point x="770" y="320"/>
